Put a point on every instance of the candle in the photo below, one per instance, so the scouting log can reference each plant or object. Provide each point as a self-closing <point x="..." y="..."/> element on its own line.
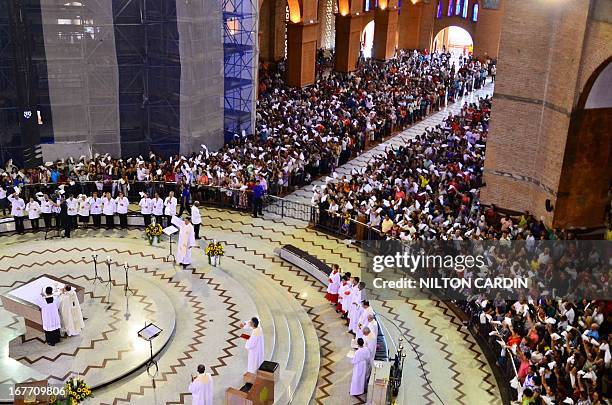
<point x="126" y="265"/>
<point x="108" y="258"/>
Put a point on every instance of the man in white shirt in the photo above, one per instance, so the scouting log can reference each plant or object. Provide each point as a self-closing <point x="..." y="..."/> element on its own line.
<point x="196" y="218"/>
<point x="73" y="210"/>
<point x="146" y="208"/>
<point x="170" y="207"/>
<point x="95" y="208"/>
<point x="158" y="209"/>
<point x="46" y="209"/>
<point x="17" y="211"/>
<point x="109" y="208"/>
<point x="33" y="209"/>
<point x="122" y="204"/>
<point x="84" y="206"/>
<point x="56" y="210"/>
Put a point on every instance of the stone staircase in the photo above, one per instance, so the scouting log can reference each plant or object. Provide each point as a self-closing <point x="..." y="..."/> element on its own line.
<point x="290" y="337"/>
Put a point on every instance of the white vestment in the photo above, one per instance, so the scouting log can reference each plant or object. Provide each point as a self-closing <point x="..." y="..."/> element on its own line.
<point x="186" y="241"/>
<point x="371" y="342"/>
<point x="354" y="308"/>
<point x="50" y="314"/>
<point x="362" y="322"/>
<point x="373" y="325"/>
<point x="202" y="390"/>
<point x="70" y="313"/>
<point x="360" y="369"/>
<point x="354" y="320"/>
<point x="344" y="295"/>
<point x="334" y="283"/>
<point x="255" y="347"/>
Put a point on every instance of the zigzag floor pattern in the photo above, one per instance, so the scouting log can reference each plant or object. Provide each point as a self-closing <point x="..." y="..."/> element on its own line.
<point x="438" y="336"/>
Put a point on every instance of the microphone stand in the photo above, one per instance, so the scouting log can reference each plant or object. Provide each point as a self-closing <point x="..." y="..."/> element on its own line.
<point x="95" y="262"/>
<point x="110" y="283"/>
<point x="127" y="288"/>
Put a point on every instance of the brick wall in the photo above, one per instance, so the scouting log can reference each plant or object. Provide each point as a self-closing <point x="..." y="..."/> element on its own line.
<point x="418" y="26"/>
<point x="543" y="57"/>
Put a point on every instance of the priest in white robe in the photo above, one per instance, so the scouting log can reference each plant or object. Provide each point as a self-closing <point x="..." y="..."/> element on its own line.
<point x="373" y="324"/>
<point x="344" y="297"/>
<point x="365" y="311"/>
<point x="186" y="240"/>
<point x="355" y="306"/>
<point x="254" y="345"/>
<point x="371" y="342"/>
<point x="360" y="368"/>
<point x="50" y="316"/>
<point x="70" y="312"/>
<point x="201" y="387"/>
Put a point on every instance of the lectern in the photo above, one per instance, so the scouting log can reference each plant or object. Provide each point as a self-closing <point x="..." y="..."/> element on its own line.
<point x="257" y="389"/>
<point x="148" y="333"/>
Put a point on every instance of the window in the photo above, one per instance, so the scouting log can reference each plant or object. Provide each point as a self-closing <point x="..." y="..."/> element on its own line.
<point x="475" y="12"/>
<point x="451" y="7"/>
<point x="439" y="9"/>
<point x="465" y="8"/>
<point x="458" y="7"/>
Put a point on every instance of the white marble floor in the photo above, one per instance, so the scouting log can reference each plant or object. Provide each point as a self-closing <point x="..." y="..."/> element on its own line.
<point x="303" y="333"/>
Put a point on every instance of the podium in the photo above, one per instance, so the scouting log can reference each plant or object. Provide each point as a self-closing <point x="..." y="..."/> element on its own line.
<point x="170" y="230"/>
<point x="148" y="333"/>
<point x="257" y="389"/>
<point x="32" y="387"/>
<point x="379" y="385"/>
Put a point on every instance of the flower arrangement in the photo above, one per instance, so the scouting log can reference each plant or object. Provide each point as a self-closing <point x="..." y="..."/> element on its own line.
<point x="77" y="391"/>
<point x="214" y="251"/>
<point x="153" y="231"/>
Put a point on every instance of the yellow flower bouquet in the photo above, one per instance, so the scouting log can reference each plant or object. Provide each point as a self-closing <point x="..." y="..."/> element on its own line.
<point x="76" y="391"/>
<point x="214" y="251"/>
<point x="153" y="231"/>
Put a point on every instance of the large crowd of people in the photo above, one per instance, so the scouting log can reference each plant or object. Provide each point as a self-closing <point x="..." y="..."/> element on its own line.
<point x="427" y="189"/>
<point x="552" y="336"/>
<point x="300" y="133"/>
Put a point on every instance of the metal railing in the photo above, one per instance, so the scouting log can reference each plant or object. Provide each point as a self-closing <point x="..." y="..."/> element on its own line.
<point x="340" y="225"/>
<point x="290" y="209"/>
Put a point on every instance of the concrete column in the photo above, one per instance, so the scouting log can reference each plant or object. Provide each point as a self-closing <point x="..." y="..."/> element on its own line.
<point x="301" y="53"/>
<point x="385" y="32"/>
<point x="409" y="25"/>
<point x="348" y="31"/>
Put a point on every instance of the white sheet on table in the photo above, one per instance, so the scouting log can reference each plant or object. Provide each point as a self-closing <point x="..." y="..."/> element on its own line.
<point x="31" y="291"/>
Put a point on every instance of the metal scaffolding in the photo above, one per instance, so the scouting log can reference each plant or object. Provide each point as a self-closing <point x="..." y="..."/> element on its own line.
<point x="239" y="65"/>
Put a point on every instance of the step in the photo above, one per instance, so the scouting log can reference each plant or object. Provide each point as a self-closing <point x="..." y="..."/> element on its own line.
<point x="300" y="372"/>
<point x="276" y="328"/>
<point x="289" y="348"/>
<point x="310" y="372"/>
